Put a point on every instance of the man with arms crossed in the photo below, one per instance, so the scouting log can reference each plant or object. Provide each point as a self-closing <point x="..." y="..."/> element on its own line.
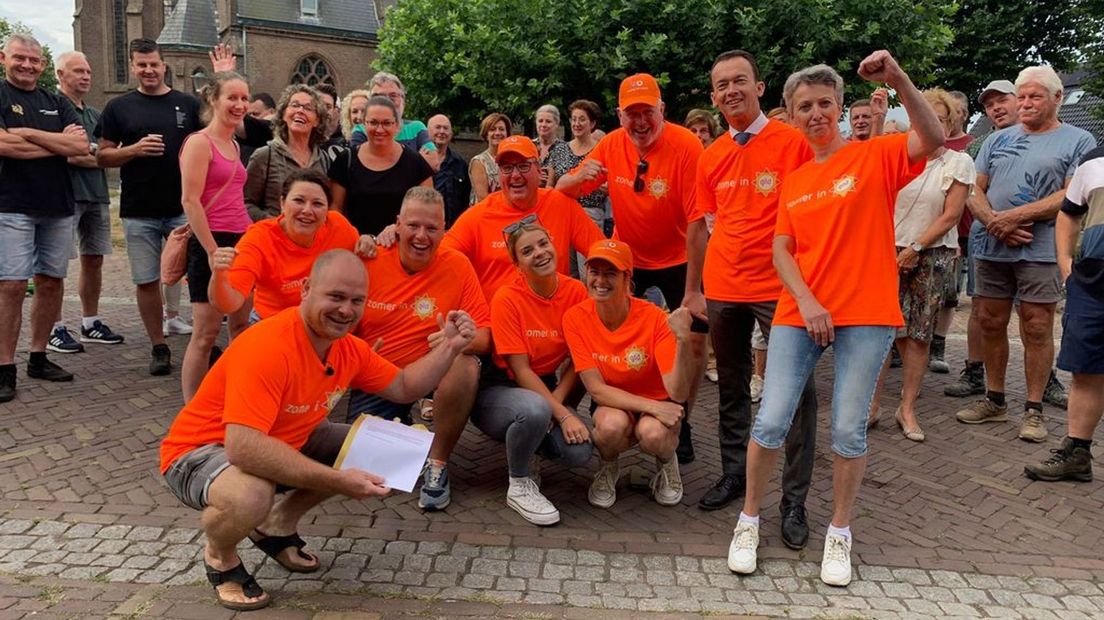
<point x="257" y="426"/>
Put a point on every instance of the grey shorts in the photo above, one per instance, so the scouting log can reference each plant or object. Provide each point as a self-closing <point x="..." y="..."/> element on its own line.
<point x="32" y="245"/>
<point x="91" y="229"/>
<point x="190" y="476"/>
<point x="1036" y="283"/>
<point x="145" y="237"/>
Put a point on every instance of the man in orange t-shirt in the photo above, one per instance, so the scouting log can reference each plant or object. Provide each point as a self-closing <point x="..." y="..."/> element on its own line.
<point x="258" y="424"/>
<point x="410" y="286"/>
<point x="649" y="166"/>
<point x="478" y="233"/>
<point x="739" y="177"/>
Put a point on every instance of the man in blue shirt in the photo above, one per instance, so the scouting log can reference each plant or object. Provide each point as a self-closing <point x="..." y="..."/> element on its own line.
<point x="1023" y="171"/>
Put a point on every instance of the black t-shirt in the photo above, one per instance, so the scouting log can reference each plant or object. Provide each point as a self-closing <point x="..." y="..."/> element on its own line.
<point x="257" y="134"/>
<point x="151" y="185"/>
<point x="38" y="186"/>
<point x="373" y="199"/>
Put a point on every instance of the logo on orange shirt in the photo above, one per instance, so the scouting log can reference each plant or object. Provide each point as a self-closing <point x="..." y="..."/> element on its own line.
<point x="658" y="188"/>
<point x="844" y="185"/>
<point x="333" y="397"/>
<point x="636" y="358"/>
<point x="766" y="182"/>
<point x="424" y="307"/>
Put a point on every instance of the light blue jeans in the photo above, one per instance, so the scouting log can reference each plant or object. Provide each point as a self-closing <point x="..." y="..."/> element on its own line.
<point x="792" y="355"/>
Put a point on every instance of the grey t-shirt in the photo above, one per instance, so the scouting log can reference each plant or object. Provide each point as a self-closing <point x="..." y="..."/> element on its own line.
<point x="1023" y="168"/>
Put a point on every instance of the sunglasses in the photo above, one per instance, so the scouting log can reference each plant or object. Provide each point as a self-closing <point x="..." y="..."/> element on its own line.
<point x="516" y="226"/>
<point x="641" y="170"/>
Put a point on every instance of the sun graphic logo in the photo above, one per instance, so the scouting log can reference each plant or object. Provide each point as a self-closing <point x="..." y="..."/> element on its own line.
<point x="424" y="307"/>
<point x="636" y="358"/>
<point x="658" y="188"/>
<point x="844" y="185"/>
<point x="333" y="397"/>
<point x="766" y="182"/>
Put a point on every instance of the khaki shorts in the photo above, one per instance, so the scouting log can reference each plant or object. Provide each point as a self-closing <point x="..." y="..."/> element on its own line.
<point x="190" y="476"/>
<point x="1035" y="283"/>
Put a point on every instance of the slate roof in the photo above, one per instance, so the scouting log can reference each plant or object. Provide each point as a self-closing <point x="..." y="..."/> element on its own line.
<point x="348" y="18"/>
<point x="192" y="24"/>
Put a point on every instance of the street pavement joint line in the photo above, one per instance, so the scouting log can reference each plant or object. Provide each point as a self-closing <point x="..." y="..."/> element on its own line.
<point x="20" y="454"/>
<point x="140" y="601"/>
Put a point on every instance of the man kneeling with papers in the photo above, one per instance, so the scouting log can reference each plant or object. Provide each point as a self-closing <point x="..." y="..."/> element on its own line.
<point x="257" y="426"/>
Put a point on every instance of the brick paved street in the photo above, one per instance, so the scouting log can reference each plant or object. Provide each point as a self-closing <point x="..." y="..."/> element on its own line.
<point x="949" y="527"/>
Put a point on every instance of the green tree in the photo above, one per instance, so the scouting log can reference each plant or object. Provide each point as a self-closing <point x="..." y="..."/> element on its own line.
<point x="469" y="57"/>
<point x="48" y="79"/>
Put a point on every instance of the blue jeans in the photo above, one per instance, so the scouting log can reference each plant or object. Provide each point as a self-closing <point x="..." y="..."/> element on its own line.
<point x="363" y="402"/>
<point x="33" y="245"/>
<point x="145" y="236"/>
<point x="792" y="355"/>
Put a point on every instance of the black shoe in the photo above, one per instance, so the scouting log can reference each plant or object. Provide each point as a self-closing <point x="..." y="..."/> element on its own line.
<point x="1055" y="393"/>
<point x="724" y="491"/>
<point x="895" y="357"/>
<point x="795" y="527"/>
<point x="970" y="382"/>
<point x="48" y="371"/>
<point x="7" y="382"/>
<point x="685" y="449"/>
<point x="1065" y="463"/>
<point x="216" y="353"/>
<point x="161" y="364"/>
<point x="936" y="363"/>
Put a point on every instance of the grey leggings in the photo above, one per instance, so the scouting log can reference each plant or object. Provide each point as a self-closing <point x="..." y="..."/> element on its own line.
<point x="521" y="418"/>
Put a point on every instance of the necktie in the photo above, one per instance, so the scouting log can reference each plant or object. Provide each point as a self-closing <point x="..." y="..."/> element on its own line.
<point x="743" y="137"/>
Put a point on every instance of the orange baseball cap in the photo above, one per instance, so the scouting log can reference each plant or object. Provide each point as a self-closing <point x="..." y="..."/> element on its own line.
<point x="517" y="144"/>
<point x="614" y="252"/>
<point x="636" y="89"/>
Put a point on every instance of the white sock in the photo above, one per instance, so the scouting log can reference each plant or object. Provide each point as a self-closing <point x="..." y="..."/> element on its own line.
<point x="89" y="321"/>
<point x="58" y="324"/>
<point x="746" y="519"/>
<point x="840" y="531"/>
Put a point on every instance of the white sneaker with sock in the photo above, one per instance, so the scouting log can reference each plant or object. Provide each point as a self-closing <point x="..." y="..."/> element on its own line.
<point x="835" y="568"/>
<point x="744" y="548"/>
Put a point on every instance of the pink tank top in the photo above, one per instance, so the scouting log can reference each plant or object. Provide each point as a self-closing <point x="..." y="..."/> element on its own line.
<point x="225" y="206"/>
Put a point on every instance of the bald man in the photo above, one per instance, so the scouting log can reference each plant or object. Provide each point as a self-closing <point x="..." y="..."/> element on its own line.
<point x="257" y="426"/>
<point x="451" y="178"/>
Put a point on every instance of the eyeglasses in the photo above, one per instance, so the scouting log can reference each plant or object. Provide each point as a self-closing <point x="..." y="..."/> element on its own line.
<point x="391" y="96"/>
<point x="306" y="107"/>
<point x="641" y="170"/>
<point x="524" y="167"/>
<point x="518" y="225"/>
<point x="377" y="124"/>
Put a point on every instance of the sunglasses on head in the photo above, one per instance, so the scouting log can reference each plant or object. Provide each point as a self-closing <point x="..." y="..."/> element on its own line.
<point x="641" y="170"/>
<point x="516" y="226"/>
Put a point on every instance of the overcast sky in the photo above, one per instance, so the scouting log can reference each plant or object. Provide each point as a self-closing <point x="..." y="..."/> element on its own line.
<point x="50" y="20"/>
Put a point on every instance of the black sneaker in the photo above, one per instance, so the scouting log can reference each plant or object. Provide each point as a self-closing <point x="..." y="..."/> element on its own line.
<point x="48" y="371"/>
<point x="1055" y="393"/>
<point x="7" y="382"/>
<point x="1066" y="463"/>
<point x="161" y="364"/>
<point x="61" y="341"/>
<point x="100" y="333"/>
<point x="685" y="449"/>
<point x="970" y="382"/>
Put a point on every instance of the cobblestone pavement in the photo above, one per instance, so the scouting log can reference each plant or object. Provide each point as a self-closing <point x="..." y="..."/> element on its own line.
<point x="949" y="527"/>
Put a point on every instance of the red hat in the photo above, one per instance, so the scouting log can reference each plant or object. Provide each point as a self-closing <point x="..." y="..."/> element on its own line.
<point x="517" y="144"/>
<point x="614" y="252"/>
<point x="636" y="89"/>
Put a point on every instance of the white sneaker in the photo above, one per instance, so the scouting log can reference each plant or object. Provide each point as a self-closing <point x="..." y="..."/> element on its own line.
<point x="526" y="499"/>
<point x="743" y="550"/>
<point x="756" y="388"/>
<point x="835" y="568"/>
<point x="667" y="483"/>
<point x="176" y="326"/>
<point x="603" y="491"/>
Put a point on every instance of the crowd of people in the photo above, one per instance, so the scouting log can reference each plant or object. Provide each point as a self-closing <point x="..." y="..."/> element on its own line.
<point x="352" y="251"/>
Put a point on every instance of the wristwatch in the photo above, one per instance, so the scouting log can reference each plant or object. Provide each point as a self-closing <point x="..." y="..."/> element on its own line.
<point x="916" y="246"/>
<point x="93" y="147"/>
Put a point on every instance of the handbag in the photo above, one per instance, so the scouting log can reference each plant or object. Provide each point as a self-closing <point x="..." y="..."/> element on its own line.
<point x="174" y="254"/>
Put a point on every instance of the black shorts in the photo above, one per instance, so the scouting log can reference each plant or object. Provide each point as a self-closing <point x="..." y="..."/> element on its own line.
<point x="671" y="281"/>
<point x="199" y="269"/>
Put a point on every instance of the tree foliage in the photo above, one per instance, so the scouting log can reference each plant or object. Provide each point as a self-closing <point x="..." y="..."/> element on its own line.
<point x="469" y="57"/>
<point x="48" y="79"/>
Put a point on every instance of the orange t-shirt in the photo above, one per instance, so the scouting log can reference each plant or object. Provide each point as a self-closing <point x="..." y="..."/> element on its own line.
<point x="652" y="222"/>
<point x="740" y="185"/>
<point x="840" y="215"/>
<point x="402" y="308"/>
<point x="524" y="323"/>
<point x="274" y="268"/>
<point x="634" y="357"/>
<point x="477" y="234"/>
<point x="271" y="379"/>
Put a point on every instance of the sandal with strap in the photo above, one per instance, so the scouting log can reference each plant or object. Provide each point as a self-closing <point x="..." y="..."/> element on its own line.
<point x="240" y="576"/>
<point x="425" y="409"/>
<point x="273" y="546"/>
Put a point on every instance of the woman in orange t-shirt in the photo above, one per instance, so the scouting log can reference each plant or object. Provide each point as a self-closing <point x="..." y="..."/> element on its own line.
<point x="519" y="395"/>
<point x="637" y="364"/>
<point x="275" y="256"/>
<point x="835" y="254"/>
